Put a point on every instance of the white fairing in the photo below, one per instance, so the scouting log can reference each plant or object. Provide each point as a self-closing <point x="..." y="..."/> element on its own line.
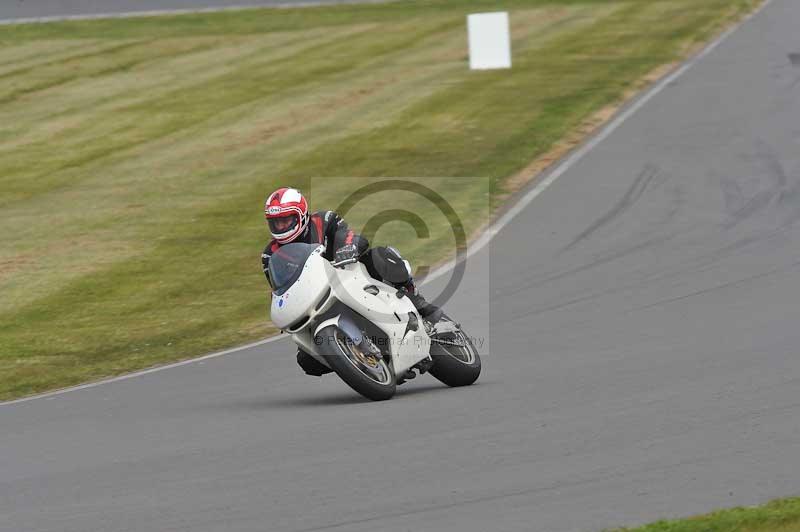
<point x="303" y="295"/>
<point x="385" y="310"/>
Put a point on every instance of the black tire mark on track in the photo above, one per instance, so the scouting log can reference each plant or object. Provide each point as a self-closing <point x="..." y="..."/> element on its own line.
<point x="632" y="195"/>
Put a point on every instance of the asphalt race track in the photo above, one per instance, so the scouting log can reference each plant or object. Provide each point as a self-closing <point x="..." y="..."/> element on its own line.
<point x="23" y="9"/>
<point x="644" y="360"/>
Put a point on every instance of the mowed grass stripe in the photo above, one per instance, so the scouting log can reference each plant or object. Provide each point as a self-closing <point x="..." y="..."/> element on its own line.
<point x="143" y="177"/>
<point x="138" y="119"/>
<point x="32" y="79"/>
<point x="70" y="114"/>
<point x="186" y="107"/>
<point x="15" y="57"/>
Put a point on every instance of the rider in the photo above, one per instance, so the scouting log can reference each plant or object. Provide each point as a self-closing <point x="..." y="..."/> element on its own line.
<point x="286" y="211"/>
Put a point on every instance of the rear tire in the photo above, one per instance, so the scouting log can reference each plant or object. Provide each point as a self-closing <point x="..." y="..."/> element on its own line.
<point x="373" y="381"/>
<point x="455" y="365"/>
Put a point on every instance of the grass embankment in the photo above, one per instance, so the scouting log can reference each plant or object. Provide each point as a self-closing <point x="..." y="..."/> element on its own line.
<point x="135" y="154"/>
<point x="778" y="516"/>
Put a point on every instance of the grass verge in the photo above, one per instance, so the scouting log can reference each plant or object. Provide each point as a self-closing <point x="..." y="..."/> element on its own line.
<point x="135" y="153"/>
<point x="782" y="515"/>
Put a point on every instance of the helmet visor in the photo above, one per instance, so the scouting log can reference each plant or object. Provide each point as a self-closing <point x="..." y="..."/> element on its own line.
<point x="283" y="224"/>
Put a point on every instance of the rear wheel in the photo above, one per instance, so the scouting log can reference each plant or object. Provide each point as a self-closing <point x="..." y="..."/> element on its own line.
<point x="455" y="360"/>
<point x="369" y="375"/>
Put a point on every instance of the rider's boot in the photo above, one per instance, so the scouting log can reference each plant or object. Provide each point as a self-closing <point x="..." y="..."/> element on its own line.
<point x="310" y="365"/>
<point x="428" y="311"/>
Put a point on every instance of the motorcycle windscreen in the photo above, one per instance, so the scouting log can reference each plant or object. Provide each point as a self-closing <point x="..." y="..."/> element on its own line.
<point x="286" y="265"/>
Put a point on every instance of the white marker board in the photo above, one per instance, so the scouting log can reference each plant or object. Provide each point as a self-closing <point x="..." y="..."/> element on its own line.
<point x="489" y="41"/>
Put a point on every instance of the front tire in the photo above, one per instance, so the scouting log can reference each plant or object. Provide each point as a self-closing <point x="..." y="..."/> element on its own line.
<point x="371" y="377"/>
<point x="456" y="362"/>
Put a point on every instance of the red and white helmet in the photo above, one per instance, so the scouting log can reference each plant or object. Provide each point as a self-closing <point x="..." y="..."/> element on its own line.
<point x="286" y="211"/>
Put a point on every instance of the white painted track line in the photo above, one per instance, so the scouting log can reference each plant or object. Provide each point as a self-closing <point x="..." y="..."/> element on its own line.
<point x="172" y="12"/>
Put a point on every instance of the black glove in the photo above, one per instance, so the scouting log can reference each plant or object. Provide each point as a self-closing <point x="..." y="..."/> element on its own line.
<point x="345" y="253"/>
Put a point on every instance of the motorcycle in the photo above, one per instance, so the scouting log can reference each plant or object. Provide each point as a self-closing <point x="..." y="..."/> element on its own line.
<point x="366" y="331"/>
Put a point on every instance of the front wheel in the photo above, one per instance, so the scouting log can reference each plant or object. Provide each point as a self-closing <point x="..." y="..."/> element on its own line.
<point x="455" y="360"/>
<point x="367" y="374"/>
